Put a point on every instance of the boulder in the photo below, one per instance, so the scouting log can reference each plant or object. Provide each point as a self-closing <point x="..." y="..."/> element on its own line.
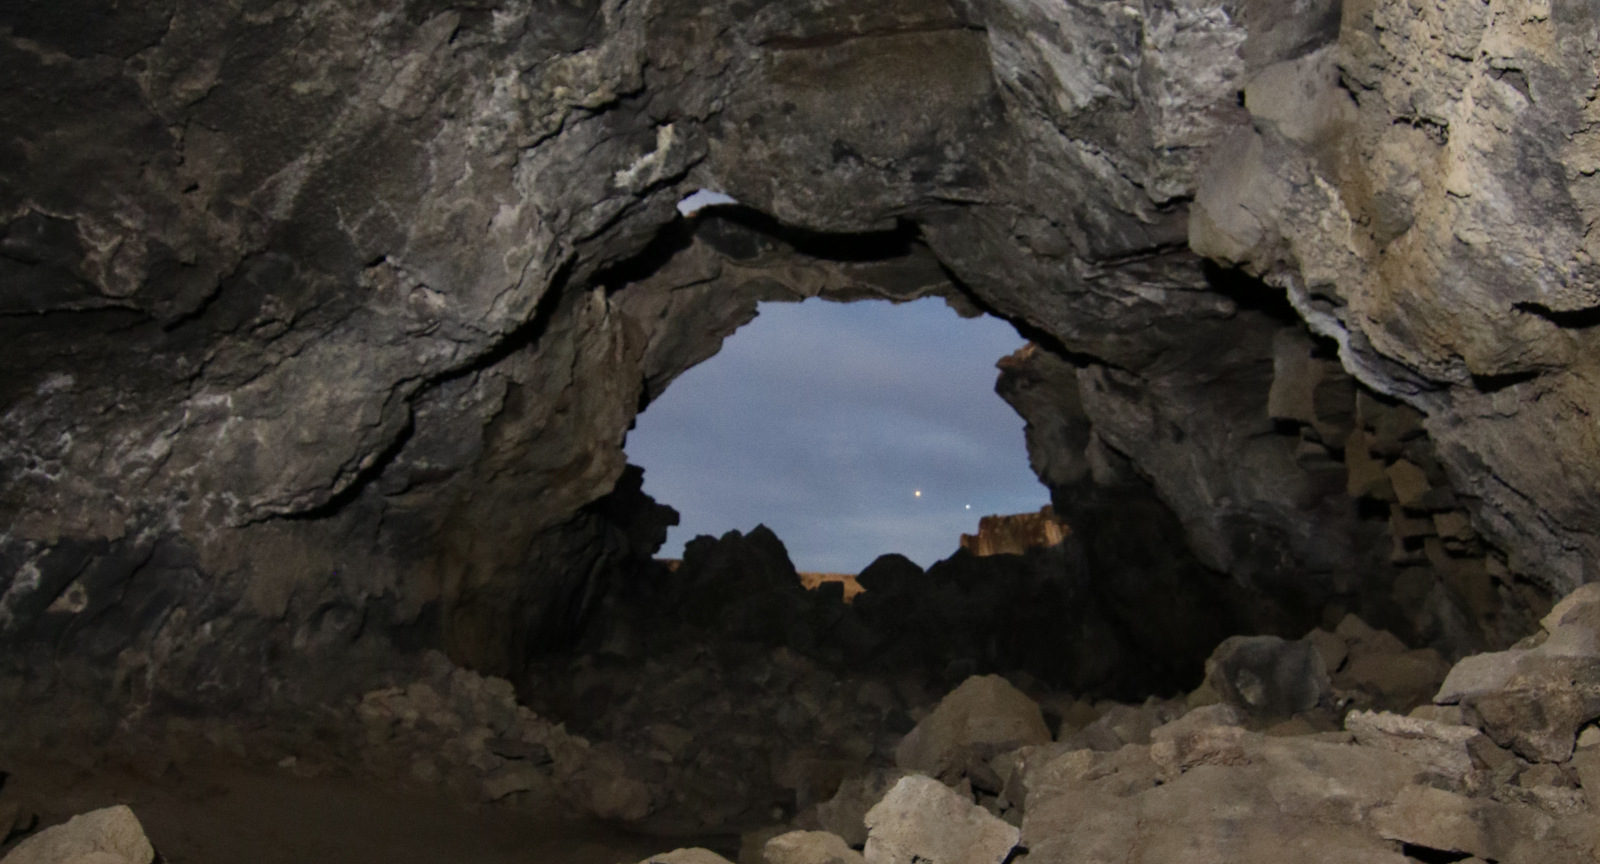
<point x="1213" y="735"/>
<point x="1268" y="678"/>
<point x="1120" y="725"/>
<point x="845" y="813"/>
<point x="1225" y="796"/>
<point x="981" y="718"/>
<point x="1394" y="681"/>
<point x="598" y="783"/>
<point x="1535" y="699"/>
<point x="112" y="835"/>
<point x="693" y="855"/>
<point x="809" y="847"/>
<point x="924" y="820"/>
<point x="1453" y="824"/>
<point x="1450" y="753"/>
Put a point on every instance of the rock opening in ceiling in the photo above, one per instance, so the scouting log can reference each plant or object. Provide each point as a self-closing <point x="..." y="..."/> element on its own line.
<point x="851" y="430"/>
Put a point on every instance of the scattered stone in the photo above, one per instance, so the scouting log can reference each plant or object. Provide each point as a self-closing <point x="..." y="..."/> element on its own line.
<point x="1494" y="830"/>
<point x="1362" y="638"/>
<point x="516" y="777"/>
<point x="1445" y="751"/>
<point x="1264" y="800"/>
<point x="1535" y="699"/>
<point x="982" y="717"/>
<point x="845" y="813"/>
<point x="809" y="847"/>
<point x="1268" y="678"/>
<point x="1394" y="681"/>
<point x="693" y="855"/>
<point x="1330" y="647"/>
<point x="1410" y="483"/>
<point x="1208" y="736"/>
<point x="1126" y="724"/>
<point x="921" y="819"/>
<point x="109" y="836"/>
<point x="600" y="785"/>
<point x="1586" y="764"/>
<point x="1449" y="714"/>
<point x="1366" y="477"/>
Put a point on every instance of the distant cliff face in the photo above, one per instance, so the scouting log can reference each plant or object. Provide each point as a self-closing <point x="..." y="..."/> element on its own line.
<point x="1016" y="533"/>
<point x="324" y="323"/>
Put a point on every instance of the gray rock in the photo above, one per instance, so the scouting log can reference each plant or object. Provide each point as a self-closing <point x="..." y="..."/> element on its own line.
<point x="923" y="819"/>
<point x="109" y="836"/>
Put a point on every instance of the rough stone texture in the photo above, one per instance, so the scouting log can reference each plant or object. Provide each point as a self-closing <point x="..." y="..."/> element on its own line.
<point x="693" y="855"/>
<point x="1435" y="222"/>
<point x="1214" y="792"/>
<point x="324" y="324"/>
<point x="809" y="847"/>
<point x="985" y="716"/>
<point x="845" y="813"/>
<point x="924" y="819"/>
<point x="1534" y="700"/>
<point x="1450" y="752"/>
<point x="109" y="836"/>
<point x="1268" y="678"/>
<point x="1016" y="533"/>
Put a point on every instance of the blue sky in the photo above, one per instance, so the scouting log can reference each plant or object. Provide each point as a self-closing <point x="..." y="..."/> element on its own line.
<point x="823" y="420"/>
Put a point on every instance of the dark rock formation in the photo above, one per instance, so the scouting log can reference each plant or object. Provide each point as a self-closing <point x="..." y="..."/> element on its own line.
<point x="324" y="323"/>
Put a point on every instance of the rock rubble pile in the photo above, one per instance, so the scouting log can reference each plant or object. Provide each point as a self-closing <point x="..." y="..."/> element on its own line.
<point x="1278" y="769"/>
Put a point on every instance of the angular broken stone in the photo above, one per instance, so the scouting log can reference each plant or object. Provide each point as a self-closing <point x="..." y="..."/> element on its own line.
<point x="1444" y="750"/>
<point x="1273" y="800"/>
<point x="923" y="820"/>
<point x="982" y="717"/>
<point x="1213" y="735"/>
<point x="809" y="847"/>
<point x="693" y="855"/>
<point x="1430" y="818"/>
<point x="1535" y="699"/>
<point x="845" y="813"/>
<point x="112" y="835"/>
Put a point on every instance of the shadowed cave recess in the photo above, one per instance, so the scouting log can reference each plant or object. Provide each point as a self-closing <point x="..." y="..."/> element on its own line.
<point x="324" y="326"/>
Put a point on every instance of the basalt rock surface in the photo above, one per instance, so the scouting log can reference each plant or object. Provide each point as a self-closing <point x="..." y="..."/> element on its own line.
<point x="324" y="323"/>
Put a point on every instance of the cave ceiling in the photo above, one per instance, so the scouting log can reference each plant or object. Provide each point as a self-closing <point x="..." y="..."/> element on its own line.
<point x="324" y="319"/>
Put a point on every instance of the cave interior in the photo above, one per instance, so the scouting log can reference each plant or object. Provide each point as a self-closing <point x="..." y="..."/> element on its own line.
<point x="325" y="326"/>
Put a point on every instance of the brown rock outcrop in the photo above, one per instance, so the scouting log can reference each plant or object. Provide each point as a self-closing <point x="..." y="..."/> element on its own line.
<point x="1017" y="533"/>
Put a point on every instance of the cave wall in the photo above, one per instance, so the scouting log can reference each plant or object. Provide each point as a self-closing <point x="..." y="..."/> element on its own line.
<point x="325" y="322"/>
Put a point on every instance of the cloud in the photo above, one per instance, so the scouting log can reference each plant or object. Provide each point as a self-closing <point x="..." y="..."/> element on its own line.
<point x="821" y="419"/>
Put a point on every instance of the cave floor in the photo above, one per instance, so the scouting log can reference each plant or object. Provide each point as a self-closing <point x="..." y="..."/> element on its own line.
<point x="196" y="814"/>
